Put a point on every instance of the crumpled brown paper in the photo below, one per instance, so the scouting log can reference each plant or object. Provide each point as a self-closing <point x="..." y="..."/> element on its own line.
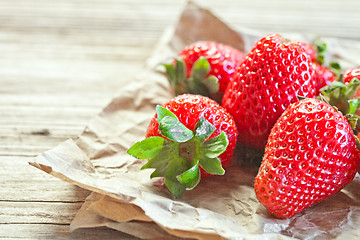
<point x="222" y="207"/>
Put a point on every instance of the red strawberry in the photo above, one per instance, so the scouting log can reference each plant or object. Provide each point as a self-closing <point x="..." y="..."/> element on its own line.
<point x="349" y="75"/>
<point x="270" y="78"/>
<point x="310" y="155"/>
<point x="189" y="136"/>
<point x="358" y="136"/>
<point x="204" y="68"/>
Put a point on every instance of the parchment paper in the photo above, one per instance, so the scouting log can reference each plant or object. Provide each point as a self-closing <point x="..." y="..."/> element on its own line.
<point x="223" y="207"/>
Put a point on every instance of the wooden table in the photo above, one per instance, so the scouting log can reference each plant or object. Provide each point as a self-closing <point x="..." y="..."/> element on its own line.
<point x="61" y="62"/>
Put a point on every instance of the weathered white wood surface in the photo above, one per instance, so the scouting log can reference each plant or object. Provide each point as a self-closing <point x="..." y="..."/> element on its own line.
<point x="62" y="61"/>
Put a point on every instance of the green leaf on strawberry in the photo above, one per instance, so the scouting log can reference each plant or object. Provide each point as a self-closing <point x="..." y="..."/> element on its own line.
<point x="148" y="148"/>
<point x="204" y="129"/>
<point x="200" y="69"/>
<point x="163" y="112"/>
<point x="198" y="83"/>
<point x="340" y="95"/>
<point x="215" y="146"/>
<point x="353" y="105"/>
<point x="335" y="68"/>
<point x="212" y="166"/>
<point x="321" y="49"/>
<point x="191" y="177"/>
<point x="174" y="130"/>
<point x="179" y="153"/>
<point x="176" y="75"/>
<point x="174" y="187"/>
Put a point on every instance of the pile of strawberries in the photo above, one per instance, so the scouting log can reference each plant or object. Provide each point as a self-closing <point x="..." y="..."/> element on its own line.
<point x="281" y="98"/>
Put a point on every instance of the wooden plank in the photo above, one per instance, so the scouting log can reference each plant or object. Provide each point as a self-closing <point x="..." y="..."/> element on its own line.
<point x="37" y="212"/>
<point x="106" y="17"/>
<point x="55" y="231"/>
<point x="20" y="182"/>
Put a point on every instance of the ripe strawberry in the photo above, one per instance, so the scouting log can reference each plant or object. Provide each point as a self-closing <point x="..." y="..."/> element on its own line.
<point x="349" y="75"/>
<point x="190" y="136"/>
<point x="310" y="155"/>
<point x="204" y="68"/>
<point x="358" y="136"/>
<point x="270" y="78"/>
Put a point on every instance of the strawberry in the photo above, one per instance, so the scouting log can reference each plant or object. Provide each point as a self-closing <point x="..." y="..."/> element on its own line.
<point x="310" y="155"/>
<point x="349" y="75"/>
<point x="205" y="68"/>
<point x="270" y="78"/>
<point x="191" y="136"/>
<point x="358" y="136"/>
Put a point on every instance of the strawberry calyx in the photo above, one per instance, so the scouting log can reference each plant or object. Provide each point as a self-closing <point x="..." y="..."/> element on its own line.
<point x="198" y="83"/>
<point x="179" y="153"/>
<point x="340" y="96"/>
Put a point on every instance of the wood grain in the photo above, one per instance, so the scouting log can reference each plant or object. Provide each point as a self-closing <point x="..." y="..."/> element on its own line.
<point x="63" y="61"/>
<point x="57" y="231"/>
